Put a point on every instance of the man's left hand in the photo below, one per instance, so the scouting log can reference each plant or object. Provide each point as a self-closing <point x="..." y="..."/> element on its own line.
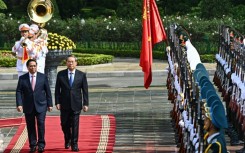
<point x="50" y="109"/>
<point x="85" y="108"/>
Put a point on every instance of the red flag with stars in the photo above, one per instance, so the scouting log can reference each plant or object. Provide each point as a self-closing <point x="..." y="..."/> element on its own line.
<point x="153" y="32"/>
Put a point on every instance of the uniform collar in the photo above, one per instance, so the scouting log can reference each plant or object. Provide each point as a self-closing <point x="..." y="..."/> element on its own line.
<point x="211" y="137"/>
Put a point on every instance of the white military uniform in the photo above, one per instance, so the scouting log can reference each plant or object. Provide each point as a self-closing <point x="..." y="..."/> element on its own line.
<point x="41" y="49"/>
<point x="18" y="49"/>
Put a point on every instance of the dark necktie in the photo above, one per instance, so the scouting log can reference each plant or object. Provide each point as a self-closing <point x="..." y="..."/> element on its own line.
<point x="71" y="79"/>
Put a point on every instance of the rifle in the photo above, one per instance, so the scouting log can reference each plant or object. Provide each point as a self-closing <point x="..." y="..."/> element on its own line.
<point x="223" y="43"/>
<point x="216" y="74"/>
<point x="176" y="113"/>
<point x="239" y="74"/>
<point x="225" y="47"/>
<point x="180" y="52"/>
<point x="240" y="115"/>
<point x="230" y="68"/>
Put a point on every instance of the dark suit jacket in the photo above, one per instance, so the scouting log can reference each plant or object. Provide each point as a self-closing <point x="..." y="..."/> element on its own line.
<point x="41" y="97"/>
<point x="71" y="97"/>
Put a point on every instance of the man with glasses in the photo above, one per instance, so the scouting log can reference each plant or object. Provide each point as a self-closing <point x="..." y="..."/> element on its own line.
<point x="71" y="96"/>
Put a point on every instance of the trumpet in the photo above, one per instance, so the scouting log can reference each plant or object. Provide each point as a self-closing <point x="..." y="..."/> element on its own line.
<point x="23" y="42"/>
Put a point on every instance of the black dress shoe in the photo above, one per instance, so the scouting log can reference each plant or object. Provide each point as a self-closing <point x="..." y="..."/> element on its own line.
<point x="67" y="145"/>
<point x="40" y="149"/>
<point x="32" y="149"/>
<point x="75" y="149"/>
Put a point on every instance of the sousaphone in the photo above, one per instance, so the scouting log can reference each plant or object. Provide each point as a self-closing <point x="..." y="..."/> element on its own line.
<point x="40" y="11"/>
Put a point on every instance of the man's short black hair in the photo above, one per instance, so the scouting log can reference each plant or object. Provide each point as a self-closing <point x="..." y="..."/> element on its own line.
<point x="30" y="60"/>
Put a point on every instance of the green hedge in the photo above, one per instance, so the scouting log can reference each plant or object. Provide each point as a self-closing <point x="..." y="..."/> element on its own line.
<point x="91" y="59"/>
<point x="120" y="53"/>
<point x="8" y="60"/>
<point x="208" y="58"/>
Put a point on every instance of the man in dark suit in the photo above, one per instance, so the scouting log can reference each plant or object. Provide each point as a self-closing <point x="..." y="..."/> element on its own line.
<point x="71" y="96"/>
<point x="33" y="96"/>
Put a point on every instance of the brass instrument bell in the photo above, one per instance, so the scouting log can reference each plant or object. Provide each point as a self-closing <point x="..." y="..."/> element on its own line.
<point x="40" y="11"/>
<point x="23" y="42"/>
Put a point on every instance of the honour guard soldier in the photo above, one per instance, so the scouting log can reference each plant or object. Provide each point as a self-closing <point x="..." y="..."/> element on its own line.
<point x="23" y="49"/>
<point x="214" y="123"/>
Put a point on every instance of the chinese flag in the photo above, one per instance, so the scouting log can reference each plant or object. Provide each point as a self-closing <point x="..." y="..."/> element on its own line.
<point x="25" y="56"/>
<point x="153" y="32"/>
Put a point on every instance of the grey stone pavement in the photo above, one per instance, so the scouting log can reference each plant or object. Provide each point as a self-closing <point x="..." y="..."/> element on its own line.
<point x="143" y="123"/>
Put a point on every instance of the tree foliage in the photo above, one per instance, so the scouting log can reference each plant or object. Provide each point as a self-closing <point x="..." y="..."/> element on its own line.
<point x="214" y="8"/>
<point x="69" y="8"/>
<point x="131" y="9"/>
<point x="178" y="7"/>
<point x="2" y="5"/>
<point x="238" y="11"/>
<point x="17" y="7"/>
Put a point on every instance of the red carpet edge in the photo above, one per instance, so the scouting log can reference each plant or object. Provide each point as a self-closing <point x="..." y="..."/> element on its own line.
<point x="96" y="134"/>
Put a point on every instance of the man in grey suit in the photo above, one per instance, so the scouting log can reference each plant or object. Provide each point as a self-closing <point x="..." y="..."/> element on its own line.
<point x="71" y="96"/>
<point x="33" y="97"/>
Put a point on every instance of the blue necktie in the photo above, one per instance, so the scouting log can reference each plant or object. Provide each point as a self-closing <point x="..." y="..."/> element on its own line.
<point x="71" y="79"/>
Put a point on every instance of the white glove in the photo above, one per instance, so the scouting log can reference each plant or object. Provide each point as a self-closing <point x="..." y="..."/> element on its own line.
<point x="168" y="49"/>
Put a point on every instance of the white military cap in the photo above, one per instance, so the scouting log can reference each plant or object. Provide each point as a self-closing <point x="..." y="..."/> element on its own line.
<point x="34" y="27"/>
<point x="31" y="32"/>
<point x="24" y="27"/>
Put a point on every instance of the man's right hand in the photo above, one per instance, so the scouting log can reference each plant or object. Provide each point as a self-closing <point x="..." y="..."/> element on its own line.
<point x="58" y="106"/>
<point x="19" y="108"/>
<point x="168" y="49"/>
<point x="22" y="38"/>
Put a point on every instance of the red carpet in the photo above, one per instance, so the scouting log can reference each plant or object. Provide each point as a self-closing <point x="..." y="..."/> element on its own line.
<point x="7" y="122"/>
<point x="96" y="134"/>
